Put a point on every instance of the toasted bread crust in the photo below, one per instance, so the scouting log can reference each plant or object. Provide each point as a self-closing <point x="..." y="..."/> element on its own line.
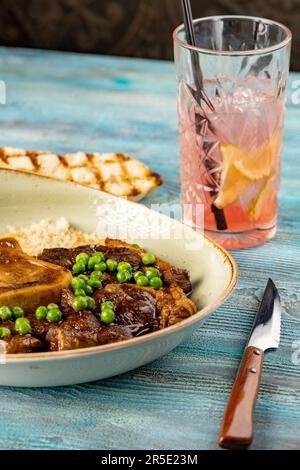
<point x="115" y="173"/>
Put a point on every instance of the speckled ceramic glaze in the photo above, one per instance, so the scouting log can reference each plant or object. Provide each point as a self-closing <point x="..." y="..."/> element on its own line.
<point x="27" y="198"/>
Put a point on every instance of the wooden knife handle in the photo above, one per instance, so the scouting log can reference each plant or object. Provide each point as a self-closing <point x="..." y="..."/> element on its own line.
<point x="237" y="425"/>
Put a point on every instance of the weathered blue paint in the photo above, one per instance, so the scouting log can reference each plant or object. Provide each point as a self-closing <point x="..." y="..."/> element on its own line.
<point x="65" y="102"/>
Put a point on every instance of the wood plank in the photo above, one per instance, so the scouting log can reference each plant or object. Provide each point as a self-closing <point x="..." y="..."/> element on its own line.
<point x="67" y="102"/>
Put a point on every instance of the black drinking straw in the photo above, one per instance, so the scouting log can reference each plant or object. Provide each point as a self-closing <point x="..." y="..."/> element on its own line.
<point x="199" y="94"/>
<point x="191" y="39"/>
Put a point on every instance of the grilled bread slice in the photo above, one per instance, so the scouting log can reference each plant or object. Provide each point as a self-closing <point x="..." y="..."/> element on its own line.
<point x="115" y="173"/>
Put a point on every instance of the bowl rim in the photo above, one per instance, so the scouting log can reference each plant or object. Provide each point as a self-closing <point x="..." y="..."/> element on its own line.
<point x="201" y="314"/>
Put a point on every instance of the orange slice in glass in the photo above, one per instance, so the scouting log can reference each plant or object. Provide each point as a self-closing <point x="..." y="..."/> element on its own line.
<point x="233" y="183"/>
<point x="263" y="200"/>
<point x="258" y="163"/>
<point x="239" y="167"/>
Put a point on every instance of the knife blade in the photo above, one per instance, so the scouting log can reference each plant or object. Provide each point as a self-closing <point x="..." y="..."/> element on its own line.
<point x="265" y="332"/>
<point x="237" y="426"/>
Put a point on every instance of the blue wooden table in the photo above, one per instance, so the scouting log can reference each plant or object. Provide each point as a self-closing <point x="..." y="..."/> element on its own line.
<point x="65" y="102"/>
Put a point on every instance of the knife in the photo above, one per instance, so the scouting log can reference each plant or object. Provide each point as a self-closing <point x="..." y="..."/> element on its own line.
<point x="237" y="426"/>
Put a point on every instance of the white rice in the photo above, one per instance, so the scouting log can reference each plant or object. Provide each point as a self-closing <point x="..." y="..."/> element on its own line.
<point x="49" y="234"/>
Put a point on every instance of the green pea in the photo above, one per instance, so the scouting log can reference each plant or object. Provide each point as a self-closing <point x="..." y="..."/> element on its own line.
<point x="22" y="326"/>
<point x="91" y="304"/>
<point x="135" y="245"/>
<point x="52" y="306"/>
<point x="5" y="313"/>
<point x="78" y="267"/>
<point x="138" y="274"/>
<point x="79" y="303"/>
<point x="79" y="292"/>
<point x="152" y="272"/>
<point x="77" y="283"/>
<point x="124" y="266"/>
<point x="148" y="258"/>
<point x="4" y="332"/>
<point x="41" y="312"/>
<point x="91" y="263"/>
<point x="142" y="281"/>
<point x="95" y="258"/>
<point x="96" y="275"/>
<point x="54" y="315"/>
<point x="107" y="315"/>
<point x="84" y="257"/>
<point x="100" y="266"/>
<point x="84" y="277"/>
<point x="107" y="304"/>
<point x="123" y="276"/>
<point x="100" y="255"/>
<point x="88" y="290"/>
<point x="95" y="283"/>
<point x="111" y="265"/>
<point x="18" y="312"/>
<point x="156" y="282"/>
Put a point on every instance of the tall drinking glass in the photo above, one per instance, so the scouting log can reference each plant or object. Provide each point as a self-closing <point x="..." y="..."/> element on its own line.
<point x="231" y="95"/>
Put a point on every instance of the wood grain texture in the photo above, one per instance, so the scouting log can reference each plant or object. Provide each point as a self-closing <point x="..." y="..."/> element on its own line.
<point x="237" y="426"/>
<point x="66" y="102"/>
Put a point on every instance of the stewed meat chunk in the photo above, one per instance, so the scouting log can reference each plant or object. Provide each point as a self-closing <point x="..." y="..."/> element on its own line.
<point x="113" y="292"/>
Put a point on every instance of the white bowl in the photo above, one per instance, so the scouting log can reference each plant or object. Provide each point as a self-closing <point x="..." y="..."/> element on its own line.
<point x="27" y="198"/>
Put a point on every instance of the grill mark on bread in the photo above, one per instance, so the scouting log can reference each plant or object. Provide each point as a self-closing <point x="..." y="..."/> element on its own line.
<point x="124" y="157"/>
<point x="63" y="160"/>
<point x="34" y="160"/>
<point x="157" y="178"/>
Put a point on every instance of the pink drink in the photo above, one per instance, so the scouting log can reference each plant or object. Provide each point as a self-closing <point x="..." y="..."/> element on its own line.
<point x="230" y="159"/>
<point x="231" y="93"/>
